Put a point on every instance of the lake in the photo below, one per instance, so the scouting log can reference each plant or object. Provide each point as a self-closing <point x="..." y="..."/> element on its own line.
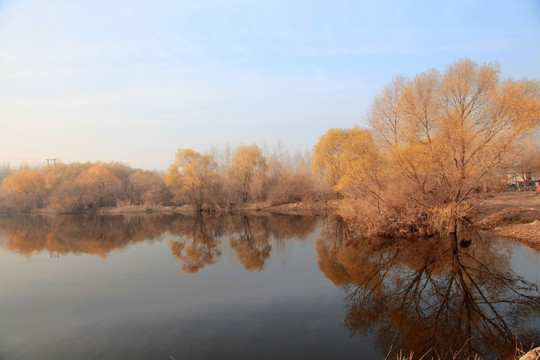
<point x="264" y="286"/>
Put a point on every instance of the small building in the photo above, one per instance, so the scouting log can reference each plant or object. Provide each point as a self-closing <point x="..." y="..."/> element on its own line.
<point x="518" y="181"/>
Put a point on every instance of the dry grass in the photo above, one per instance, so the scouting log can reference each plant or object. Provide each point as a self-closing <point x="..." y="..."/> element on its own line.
<point x="520" y="354"/>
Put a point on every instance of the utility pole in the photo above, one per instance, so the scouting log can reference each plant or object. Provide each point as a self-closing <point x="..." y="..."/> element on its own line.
<point x="49" y="161"/>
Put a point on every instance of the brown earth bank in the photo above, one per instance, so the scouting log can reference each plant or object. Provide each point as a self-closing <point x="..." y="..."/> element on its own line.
<point x="290" y="208"/>
<point x="514" y="215"/>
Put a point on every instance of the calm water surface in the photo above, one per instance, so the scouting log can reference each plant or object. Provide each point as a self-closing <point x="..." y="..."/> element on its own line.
<point x="265" y="287"/>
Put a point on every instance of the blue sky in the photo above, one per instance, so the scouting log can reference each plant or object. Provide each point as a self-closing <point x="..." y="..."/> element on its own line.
<point x="133" y="81"/>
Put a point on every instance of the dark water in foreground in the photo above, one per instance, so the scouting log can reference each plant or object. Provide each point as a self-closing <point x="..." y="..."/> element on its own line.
<point x="264" y="287"/>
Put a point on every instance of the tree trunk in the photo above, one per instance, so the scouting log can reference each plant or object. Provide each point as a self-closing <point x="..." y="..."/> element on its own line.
<point x="453" y="225"/>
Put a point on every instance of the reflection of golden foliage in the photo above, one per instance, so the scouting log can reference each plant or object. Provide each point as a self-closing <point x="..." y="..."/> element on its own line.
<point x="98" y="235"/>
<point x="338" y="259"/>
<point x="194" y="254"/>
<point x="344" y="266"/>
<point x="251" y="254"/>
<point x="215" y="226"/>
<point x="433" y="294"/>
<point x="291" y="226"/>
<point x="251" y="245"/>
<point x="249" y="235"/>
<point x="198" y="244"/>
<point x="330" y="265"/>
<point x="196" y="248"/>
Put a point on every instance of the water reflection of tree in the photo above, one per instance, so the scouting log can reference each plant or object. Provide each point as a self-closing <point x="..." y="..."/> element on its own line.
<point x="198" y="241"/>
<point x="432" y="295"/>
<point x="251" y="243"/>
<point x="98" y="235"/>
<point x="285" y="226"/>
<point x="197" y="247"/>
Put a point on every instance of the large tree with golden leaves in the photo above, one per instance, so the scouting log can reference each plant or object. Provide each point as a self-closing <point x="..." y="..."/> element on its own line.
<point x="438" y="135"/>
<point x="248" y="165"/>
<point x="193" y="173"/>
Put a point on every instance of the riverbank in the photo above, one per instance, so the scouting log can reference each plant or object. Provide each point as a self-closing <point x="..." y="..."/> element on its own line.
<point x="290" y="208"/>
<point x="515" y="215"/>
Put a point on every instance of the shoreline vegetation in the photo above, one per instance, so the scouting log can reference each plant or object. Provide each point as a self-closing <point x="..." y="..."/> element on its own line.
<point x="437" y="145"/>
<point x="514" y="215"/>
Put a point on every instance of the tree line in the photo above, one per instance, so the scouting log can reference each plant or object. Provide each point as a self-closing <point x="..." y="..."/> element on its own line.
<point x="434" y="142"/>
<point x="209" y="181"/>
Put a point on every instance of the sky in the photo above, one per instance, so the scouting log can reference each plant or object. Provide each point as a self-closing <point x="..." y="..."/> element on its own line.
<point x="133" y="81"/>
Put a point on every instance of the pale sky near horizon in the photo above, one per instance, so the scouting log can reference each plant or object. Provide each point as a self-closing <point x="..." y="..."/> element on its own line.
<point x="133" y="81"/>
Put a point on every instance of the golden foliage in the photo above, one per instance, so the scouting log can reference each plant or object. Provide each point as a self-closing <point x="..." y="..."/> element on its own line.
<point x="63" y="174"/>
<point x="26" y="189"/>
<point x="342" y="157"/>
<point x="291" y="188"/>
<point x="327" y="153"/>
<point x="98" y="175"/>
<point x="248" y="166"/>
<point x="99" y="186"/>
<point x="147" y="187"/>
<point x="193" y="173"/>
<point x="438" y="135"/>
<point x="25" y="181"/>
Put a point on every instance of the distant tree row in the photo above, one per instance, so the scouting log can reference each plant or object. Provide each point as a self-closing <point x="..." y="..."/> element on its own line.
<point x="76" y="187"/>
<point x="247" y="175"/>
<point x="243" y="175"/>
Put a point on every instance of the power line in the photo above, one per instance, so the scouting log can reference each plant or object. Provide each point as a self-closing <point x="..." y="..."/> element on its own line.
<point x="21" y="158"/>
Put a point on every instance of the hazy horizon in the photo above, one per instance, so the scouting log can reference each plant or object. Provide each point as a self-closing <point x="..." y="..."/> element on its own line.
<point x="134" y="81"/>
